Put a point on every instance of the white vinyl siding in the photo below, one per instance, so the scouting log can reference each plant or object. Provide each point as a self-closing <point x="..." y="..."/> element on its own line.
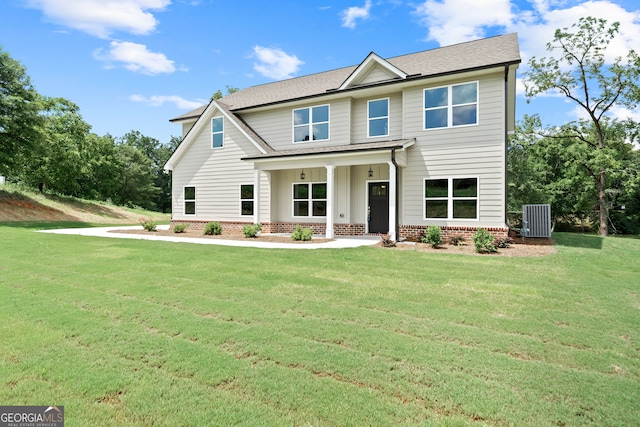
<point x="217" y="174"/>
<point x="464" y="151"/>
<point x="275" y="126"/>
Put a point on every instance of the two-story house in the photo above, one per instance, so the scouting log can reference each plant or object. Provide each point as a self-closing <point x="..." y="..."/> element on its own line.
<point x="387" y="146"/>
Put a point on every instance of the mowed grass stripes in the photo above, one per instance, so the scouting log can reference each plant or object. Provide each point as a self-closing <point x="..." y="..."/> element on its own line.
<point x="153" y="333"/>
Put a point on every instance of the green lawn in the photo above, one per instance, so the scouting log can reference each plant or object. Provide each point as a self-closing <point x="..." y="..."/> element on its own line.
<point x="141" y="333"/>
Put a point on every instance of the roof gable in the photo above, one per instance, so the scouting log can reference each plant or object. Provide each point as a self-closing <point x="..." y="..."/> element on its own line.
<point x="373" y="69"/>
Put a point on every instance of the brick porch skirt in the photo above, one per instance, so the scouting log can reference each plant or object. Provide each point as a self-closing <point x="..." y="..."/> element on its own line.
<point x="407" y="232"/>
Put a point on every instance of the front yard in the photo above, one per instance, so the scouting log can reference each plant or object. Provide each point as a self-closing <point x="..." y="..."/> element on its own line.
<point x="124" y="332"/>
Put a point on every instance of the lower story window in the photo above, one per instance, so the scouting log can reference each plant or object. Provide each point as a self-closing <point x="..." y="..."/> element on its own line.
<point x="451" y="198"/>
<point x="190" y="200"/>
<point x="310" y="199"/>
<point x="246" y="200"/>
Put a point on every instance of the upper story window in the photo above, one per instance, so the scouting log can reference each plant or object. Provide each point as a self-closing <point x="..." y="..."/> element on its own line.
<point x="453" y="105"/>
<point x="217" y="132"/>
<point x="378" y="117"/>
<point x="451" y="198"/>
<point x="311" y="124"/>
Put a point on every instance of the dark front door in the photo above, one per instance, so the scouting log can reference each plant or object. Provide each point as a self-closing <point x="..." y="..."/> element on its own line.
<point x="378" y="212"/>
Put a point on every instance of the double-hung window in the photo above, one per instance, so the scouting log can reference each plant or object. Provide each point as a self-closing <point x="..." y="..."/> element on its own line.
<point x="451" y="198"/>
<point x="378" y="117"/>
<point x="310" y="199"/>
<point x="217" y="132"/>
<point x="246" y="199"/>
<point x="453" y="105"/>
<point x="189" y="200"/>
<point x="311" y="124"/>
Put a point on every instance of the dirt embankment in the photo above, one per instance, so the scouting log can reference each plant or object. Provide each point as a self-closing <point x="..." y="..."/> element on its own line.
<point x="17" y="205"/>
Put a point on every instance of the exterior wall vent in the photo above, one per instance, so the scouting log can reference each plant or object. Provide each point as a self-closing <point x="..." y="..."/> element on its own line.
<point x="536" y="221"/>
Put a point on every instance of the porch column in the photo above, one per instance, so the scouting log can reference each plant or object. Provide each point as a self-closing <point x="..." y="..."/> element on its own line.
<point x="392" y="201"/>
<point x="256" y="196"/>
<point x="330" y="186"/>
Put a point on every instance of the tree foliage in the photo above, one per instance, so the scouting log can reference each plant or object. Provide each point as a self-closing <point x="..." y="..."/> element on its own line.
<point x="20" y="121"/>
<point x="581" y="74"/>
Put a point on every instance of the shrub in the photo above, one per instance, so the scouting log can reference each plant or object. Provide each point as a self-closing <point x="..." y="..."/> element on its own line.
<point x="148" y="224"/>
<point x="301" y="234"/>
<point x="387" y="242"/>
<point x="458" y="240"/>
<point x="483" y="241"/>
<point x="432" y="236"/>
<point x="180" y="228"/>
<point x="503" y="242"/>
<point x="213" y="229"/>
<point x="251" y="230"/>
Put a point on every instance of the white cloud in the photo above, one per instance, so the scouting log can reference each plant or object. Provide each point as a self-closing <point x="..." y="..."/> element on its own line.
<point x="454" y="21"/>
<point x="275" y="64"/>
<point x="160" y="100"/>
<point x="350" y="15"/>
<point x="137" y="58"/>
<point x="101" y="17"/>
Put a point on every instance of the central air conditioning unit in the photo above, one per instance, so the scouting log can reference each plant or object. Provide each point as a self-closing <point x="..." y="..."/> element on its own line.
<point x="536" y="221"/>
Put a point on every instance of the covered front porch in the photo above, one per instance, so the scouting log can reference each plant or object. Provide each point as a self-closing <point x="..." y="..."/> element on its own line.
<point x="346" y="190"/>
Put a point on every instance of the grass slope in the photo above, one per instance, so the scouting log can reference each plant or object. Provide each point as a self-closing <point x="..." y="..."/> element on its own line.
<point x="152" y="333"/>
<point x="20" y="204"/>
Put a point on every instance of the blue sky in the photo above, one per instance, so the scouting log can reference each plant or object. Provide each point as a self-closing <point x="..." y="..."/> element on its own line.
<point x="135" y="64"/>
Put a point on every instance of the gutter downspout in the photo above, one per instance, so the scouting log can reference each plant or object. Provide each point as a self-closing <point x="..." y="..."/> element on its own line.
<point x="506" y="144"/>
<point x="395" y="164"/>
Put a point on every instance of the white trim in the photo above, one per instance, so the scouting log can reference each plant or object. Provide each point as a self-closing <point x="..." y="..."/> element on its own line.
<point x="329" y="202"/>
<point x="197" y="128"/>
<point x="310" y="124"/>
<point x="388" y="117"/>
<point x="450" y="106"/>
<point x="366" y="198"/>
<point x="365" y="66"/>
<point x="247" y="200"/>
<point x="184" y="200"/>
<point x="213" y="133"/>
<point x="309" y="199"/>
<point x="450" y="198"/>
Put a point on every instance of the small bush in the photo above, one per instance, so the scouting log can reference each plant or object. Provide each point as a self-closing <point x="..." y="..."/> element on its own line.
<point x="148" y="224"/>
<point x="432" y="236"/>
<point x="251" y="230"/>
<point x="458" y="240"/>
<point x="213" y="229"/>
<point x="301" y="234"/>
<point x="483" y="241"/>
<point x="180" y="228"/>
<point x="503" y="242"/>
<point x="387" y="242"/>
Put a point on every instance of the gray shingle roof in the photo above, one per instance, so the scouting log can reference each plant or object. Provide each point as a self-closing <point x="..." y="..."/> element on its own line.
<point x="471" y="55"/>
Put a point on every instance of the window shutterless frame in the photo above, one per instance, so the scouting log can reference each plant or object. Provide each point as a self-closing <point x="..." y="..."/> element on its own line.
<point x="311" y="123"/>
<point x="451" y="106"/>
<point x="309" y="199"/>
<point x="378" y="117"/>
<point x="246" y="199"/>
<point x="450" y="198"/>
<point x="217" y="132"/>
<point x="189" y="194"/>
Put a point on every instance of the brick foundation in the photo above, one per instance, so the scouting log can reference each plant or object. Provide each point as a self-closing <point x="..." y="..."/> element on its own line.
<point x="411" y="233"/>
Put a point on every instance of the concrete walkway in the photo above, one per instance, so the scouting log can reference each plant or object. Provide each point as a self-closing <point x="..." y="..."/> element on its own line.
<point x="343" y="242"/>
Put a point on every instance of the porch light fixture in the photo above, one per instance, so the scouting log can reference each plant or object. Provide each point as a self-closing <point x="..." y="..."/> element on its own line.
<point x="302" y="175"/>
<point x="370" y="172"/>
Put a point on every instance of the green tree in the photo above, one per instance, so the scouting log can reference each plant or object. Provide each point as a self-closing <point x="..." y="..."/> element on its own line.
<point x="581" y="74"/>
<point x="59" y="162"/>
<point x="218" y="94"/>
<point x="20" y="121"/>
